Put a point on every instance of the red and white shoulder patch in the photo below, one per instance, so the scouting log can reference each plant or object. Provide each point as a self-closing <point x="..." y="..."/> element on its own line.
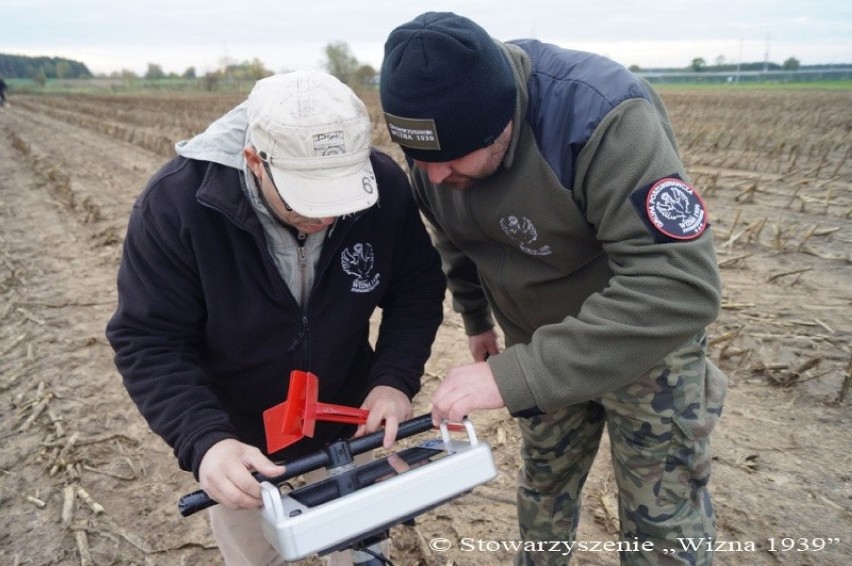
<point x="675" y="209"/>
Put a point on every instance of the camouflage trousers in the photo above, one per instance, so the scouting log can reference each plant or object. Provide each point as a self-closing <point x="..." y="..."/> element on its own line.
<point x="659" y="427"/>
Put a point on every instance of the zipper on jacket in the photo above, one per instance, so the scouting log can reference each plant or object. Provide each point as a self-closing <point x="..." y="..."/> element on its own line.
<point x="304" y="333"/>
<point x="299" y="338"/>
<point x="303" y="269"/>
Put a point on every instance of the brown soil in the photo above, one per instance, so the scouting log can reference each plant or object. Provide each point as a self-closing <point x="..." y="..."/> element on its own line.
<point x="83" y="481"/>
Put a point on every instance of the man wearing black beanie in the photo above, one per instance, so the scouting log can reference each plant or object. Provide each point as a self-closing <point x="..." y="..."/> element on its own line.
<point x="562" y="209"/>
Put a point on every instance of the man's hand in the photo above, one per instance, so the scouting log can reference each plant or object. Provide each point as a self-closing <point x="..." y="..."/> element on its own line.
<point x="225" y="473"/>
<point x="483" y="345"/>
<point x="465" y="389"/>
<point x="385" y="404"/>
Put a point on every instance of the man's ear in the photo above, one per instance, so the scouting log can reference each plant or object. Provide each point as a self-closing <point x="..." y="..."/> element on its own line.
<point x="253" y="160"/>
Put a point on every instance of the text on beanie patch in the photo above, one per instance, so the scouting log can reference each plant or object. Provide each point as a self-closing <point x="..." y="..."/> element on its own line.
<point x="416" y="133"/>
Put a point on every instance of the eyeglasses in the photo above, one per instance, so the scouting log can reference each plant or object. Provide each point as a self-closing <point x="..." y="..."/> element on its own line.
<point x="268" y="170"/>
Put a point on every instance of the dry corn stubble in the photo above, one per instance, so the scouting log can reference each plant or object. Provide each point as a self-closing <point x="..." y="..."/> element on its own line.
<point x="85" y="482"/>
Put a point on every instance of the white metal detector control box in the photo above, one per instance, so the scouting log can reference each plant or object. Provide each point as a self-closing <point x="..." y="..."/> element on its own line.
<point x="337" y="512"/>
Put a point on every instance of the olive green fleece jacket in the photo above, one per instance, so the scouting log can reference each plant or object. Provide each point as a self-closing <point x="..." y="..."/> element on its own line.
<point x="586" y="295"/>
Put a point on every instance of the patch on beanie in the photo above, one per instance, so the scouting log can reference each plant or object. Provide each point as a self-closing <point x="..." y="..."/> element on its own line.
<point x="415" y="133"/>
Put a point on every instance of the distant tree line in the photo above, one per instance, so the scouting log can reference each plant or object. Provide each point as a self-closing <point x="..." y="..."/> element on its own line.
<point x="338" y="61"/>
<point x="231" y="71"/>
<point x="41" y="68"/>
<point x="341" y="63"/>
<point x="700" y="65"/>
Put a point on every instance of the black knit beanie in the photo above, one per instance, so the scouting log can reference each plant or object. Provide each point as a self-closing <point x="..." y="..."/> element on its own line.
<point x="447" y="89"/>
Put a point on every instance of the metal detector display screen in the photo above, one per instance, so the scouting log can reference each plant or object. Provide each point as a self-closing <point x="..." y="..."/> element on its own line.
<point x="366" y="475"/>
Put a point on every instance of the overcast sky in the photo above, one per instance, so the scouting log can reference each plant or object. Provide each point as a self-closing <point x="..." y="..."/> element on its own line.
<point x="291" y="34"/>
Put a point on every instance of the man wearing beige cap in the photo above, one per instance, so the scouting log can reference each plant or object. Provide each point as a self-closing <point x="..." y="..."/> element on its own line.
<point x="265" y="246"/>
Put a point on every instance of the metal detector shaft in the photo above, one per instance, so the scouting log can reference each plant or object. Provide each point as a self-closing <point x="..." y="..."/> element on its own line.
<point x="198" y="500"/>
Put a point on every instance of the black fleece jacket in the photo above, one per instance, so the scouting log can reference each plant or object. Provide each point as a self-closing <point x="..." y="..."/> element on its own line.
<point x="206" y="331"/>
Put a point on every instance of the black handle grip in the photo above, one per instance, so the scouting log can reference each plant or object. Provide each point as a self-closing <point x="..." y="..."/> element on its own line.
<point x="194" y="502"/>
<point x="198" y="500"/>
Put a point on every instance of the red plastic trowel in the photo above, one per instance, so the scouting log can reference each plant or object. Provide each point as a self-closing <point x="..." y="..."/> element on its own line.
<point x="296" y="418"/>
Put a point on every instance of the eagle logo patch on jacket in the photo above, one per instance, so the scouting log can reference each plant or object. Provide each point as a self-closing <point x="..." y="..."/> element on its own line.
<point x="358" y="261"/>
<point x="523" y="231"/>
<point x="672" y="209"/>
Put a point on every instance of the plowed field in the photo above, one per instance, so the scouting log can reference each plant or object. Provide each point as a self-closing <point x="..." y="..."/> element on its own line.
<point x="83" y="481"/>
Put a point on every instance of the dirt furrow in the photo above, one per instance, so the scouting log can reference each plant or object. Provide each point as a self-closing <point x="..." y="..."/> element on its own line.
<point x="78" y="464"/>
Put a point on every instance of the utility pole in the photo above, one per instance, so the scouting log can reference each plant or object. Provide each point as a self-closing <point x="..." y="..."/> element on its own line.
<point x="739" y="62"/>
<point x="766" y="53"/>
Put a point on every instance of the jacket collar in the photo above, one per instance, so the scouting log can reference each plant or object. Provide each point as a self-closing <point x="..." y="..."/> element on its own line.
<point x="522" y="68"/>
